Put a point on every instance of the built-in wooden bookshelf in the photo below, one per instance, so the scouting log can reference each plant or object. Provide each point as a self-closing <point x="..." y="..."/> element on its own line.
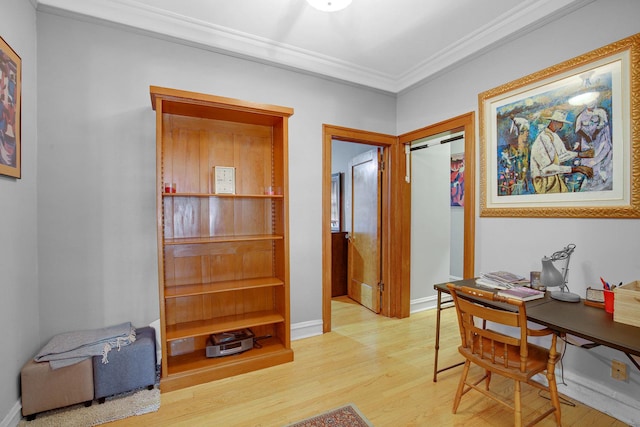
<point x="223" y="259"/>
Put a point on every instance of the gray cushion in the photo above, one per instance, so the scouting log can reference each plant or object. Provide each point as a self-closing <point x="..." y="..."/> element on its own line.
<point x="130" y="368"/>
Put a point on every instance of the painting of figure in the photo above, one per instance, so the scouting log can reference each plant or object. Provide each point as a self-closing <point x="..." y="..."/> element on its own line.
<point x="457" y="179"/>
<point x="557" y="141"/>
<point x="562" y="142"/>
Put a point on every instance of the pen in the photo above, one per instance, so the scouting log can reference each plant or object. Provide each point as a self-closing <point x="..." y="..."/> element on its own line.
<point x="605" y="284"/>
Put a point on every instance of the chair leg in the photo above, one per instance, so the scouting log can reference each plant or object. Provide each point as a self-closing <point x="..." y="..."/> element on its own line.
<point x="463" y="379"/>
<point x="553" y="394"/>
<point x="517" y="406"/>
<point x="488" y="380"/>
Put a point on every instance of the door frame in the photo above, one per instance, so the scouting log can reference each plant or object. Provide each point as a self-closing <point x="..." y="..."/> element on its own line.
<point x="389" y="143"/>
<point x="396" y="222"/>
<point x="466" y="123"/>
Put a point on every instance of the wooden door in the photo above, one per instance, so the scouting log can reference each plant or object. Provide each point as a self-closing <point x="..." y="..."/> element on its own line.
<point x="365" y="272"/>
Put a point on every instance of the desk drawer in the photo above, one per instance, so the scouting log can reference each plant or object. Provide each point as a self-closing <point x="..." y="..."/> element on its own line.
<point x="627" y="304"/>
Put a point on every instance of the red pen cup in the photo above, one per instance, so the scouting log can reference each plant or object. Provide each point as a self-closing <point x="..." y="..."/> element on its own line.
<point x="608" y="301"/>
<point x="169" y="187"/>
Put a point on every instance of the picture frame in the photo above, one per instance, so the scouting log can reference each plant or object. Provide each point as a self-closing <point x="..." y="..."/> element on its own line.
<point x="224" y="180"/>
<point x="587" y="163"/>
<point x="10" y="111"/>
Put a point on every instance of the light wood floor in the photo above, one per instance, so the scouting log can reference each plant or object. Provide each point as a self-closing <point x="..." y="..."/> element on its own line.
<point x="384" y="366"/>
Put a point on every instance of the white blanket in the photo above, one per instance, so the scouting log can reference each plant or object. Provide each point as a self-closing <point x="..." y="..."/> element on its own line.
<point x="74" y="347"/>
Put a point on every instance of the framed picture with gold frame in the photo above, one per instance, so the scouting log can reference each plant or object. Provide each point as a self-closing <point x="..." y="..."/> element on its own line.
<point x="10" y="111"/>
<point x="564" y="141"/>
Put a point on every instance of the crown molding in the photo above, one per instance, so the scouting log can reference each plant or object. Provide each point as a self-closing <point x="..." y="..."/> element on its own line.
<point x="532" y="14"/>
<point x="167" y="25"/>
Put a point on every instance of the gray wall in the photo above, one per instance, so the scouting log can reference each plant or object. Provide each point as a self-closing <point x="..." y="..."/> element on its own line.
<point x="97" y="164"/>
<point x="19" y="315"/>
<point x="78" y="244"/>
<point x="604" y="247"/>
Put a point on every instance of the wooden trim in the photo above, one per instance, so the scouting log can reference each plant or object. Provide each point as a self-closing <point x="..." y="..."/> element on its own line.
<point x="330" y="133"/>
<point x="213" y="101"/>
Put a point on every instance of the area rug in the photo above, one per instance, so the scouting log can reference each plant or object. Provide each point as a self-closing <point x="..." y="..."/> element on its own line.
<point x="345" y="416"/>
<point x="114" y="408"/>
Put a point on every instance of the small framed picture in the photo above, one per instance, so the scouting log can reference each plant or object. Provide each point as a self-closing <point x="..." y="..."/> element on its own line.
<point x="224" y="180"/>
<point x="10" y="94"/>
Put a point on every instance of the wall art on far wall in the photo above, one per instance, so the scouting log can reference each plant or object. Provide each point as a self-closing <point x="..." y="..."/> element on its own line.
<point x="564" y="142"/>
<point x="457" y="179"/>
<point x="10" y="112"/>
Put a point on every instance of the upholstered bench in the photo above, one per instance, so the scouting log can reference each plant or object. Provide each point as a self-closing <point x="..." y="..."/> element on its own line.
<point x="130" y="368"/>
<point x="44" y="388"/>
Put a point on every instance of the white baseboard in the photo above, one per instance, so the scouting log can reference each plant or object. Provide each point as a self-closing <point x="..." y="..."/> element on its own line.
<point x="306" y="329"/>
<point x="422" y="304"/>
<point x="13" y="417"/>
<point x="602" y="398"/>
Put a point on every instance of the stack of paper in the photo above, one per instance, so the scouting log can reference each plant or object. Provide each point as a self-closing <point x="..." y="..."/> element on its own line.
<point x="500" y="280"/>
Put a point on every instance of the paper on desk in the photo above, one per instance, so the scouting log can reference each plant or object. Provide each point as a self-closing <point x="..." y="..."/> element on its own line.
<point x="577" y="341"/>
<point x="489" y="284"/>
<point x="500" y="280"/>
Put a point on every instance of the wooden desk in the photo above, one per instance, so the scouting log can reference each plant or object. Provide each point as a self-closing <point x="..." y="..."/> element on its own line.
<point x="590" y="323"/>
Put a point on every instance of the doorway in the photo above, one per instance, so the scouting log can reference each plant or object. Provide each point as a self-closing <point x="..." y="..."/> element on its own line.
<point x="396" y="209"/>
<point x="465" y="125"/>
<point x="388" y="145"/>
<point x="356" y="243"/>
<point x="437" y="212"/>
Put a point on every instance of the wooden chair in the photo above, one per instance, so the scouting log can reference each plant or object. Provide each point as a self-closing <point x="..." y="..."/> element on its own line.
<point x="497" y="352"/>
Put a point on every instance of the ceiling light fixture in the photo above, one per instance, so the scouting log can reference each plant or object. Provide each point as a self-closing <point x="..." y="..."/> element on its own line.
<point x="329" y="5"/>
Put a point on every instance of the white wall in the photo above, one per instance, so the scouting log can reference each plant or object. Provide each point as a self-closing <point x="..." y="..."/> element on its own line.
<point x="604" y="247"/>
<point x="96" y="205"/>
<point x="18" y="226"/>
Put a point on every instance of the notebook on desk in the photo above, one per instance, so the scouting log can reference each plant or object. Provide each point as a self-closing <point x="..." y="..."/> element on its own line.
<point x="521" y="293"/>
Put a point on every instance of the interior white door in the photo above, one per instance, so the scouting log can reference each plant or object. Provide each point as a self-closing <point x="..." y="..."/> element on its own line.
<point x="430" y="217"/>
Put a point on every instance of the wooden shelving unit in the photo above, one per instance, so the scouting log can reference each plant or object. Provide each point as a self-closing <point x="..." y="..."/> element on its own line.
<point x="223" y="259"/>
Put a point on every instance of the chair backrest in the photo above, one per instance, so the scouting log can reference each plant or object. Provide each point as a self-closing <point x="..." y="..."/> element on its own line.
<point x="475" y="308"/>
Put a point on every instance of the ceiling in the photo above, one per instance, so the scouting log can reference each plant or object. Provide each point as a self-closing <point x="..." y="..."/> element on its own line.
<point x="388" y="45"/>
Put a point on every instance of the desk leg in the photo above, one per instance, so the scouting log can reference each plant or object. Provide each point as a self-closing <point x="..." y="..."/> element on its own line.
<point x="436" y="371"/>
<point x="437" y="347"/>
<point x="630" y="358"/>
